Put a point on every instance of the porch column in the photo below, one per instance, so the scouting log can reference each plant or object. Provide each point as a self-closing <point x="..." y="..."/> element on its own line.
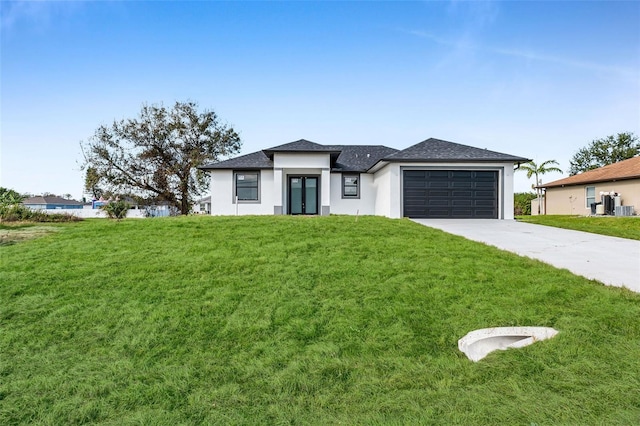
<point x="325" y="185"/>
<point x="277" y="187"/>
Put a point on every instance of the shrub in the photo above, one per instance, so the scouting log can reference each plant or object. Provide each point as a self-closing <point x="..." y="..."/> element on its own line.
<point x="116" y="209"/>
<point x="20" y="213"/>
<point x="522" y="203"/>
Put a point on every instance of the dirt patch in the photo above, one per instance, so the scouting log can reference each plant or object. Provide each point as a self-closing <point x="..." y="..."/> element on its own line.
<point x="12" y="235"/>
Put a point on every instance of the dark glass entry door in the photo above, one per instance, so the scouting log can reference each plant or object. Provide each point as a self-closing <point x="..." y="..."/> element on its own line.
<point x="303" y="195"/>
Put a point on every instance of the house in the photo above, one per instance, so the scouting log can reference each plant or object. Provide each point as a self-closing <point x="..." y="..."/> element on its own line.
<point x="50" y="203"/>
<point x="575" y="195"/>
<point x="432" y="179"/>
<point x="202" y="206"/>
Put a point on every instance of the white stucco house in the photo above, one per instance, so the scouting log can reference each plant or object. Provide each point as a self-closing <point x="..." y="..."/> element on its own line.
<point x="432" y="179"/>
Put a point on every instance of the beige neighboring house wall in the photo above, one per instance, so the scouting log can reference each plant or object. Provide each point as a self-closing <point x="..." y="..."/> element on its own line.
<point x="568" y="196"/>
<point x="572" y="199"/>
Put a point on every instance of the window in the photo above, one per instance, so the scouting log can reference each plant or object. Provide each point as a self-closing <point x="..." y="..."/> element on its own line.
<point x="350" y="186"/>
<point x="247" y="186"/>
<point x="590" y="195"/>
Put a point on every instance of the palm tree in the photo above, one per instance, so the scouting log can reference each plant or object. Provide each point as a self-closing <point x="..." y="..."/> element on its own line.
<point x="538" y="170"/>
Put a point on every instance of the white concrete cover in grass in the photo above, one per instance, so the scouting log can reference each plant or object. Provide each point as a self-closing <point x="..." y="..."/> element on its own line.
<point x="480" y="343"/>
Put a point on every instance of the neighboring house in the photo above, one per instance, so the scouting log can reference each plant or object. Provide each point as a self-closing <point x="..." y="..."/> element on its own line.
<point x="432" y="179"/>
<point x="575" y="194"/>
<point x="51" y="203"/>
<point x="202" y="206"/>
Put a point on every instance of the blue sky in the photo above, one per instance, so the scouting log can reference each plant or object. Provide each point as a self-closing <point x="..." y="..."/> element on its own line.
<point x="534" y="79"/>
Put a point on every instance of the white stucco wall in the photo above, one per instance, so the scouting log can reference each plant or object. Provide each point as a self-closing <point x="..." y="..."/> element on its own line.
<point x="222" y="202"/>
<point x="301" y="161"/>
<point x="365" y="205"/>
<point x="507" y="188"/>
<point x="380" y="192"/>
<point x="382" y="186"/>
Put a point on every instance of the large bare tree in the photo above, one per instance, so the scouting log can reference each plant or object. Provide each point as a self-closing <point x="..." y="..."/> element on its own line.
<point x="156" y="155"/>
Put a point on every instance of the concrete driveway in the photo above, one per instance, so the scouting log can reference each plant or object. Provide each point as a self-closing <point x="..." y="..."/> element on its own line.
<point x="610" y="260"/>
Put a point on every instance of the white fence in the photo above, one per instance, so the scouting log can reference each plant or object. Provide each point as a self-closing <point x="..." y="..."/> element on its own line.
<point x="93" y="213"/>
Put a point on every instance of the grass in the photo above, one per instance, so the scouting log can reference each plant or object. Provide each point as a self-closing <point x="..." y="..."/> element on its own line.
<point x="21" y="231"/>
<point x="301" y="320"/>
<point x="623" y="227"/>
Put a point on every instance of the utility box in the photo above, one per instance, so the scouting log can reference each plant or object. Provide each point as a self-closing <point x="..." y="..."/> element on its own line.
<point x="624" y="211"/>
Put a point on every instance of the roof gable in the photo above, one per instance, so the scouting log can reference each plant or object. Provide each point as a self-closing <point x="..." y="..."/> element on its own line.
<point x="622" y="170"/>
<point x="301" y="145"/>
<point x="439" y="150"/>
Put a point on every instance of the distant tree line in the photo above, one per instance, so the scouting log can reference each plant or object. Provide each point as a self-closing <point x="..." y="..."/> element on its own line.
<point x="604" y="151"/>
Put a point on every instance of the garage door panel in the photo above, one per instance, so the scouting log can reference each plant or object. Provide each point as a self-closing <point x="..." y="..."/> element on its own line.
<point x="465" y="174"/>
<point x="450" y="194"/>
<point x="463" y="194"/>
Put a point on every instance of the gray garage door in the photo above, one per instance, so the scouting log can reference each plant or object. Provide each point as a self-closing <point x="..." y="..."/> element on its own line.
<point x="450" y="194"/>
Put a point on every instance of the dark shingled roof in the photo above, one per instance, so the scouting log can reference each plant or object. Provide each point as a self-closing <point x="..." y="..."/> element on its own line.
<point x="360" y="158"/>
<point x="439" y="150"/>
<point x="301" y="145"/>
<point x="253" y="161"/>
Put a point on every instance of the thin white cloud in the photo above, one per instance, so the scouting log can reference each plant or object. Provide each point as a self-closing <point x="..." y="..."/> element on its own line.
<point x="39" y="14"/>
<point x="12" y="12"/>
<point x="623" y="72"/>
<point x="477" y="13"/>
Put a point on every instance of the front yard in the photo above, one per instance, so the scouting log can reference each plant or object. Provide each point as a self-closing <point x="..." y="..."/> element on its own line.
<point x="301" y="320"/>
<point x="623" y="227"/>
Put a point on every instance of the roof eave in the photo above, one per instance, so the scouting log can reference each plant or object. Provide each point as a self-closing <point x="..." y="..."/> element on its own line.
<point x="237" y="168"/>
<point x="587" y="182"/>
<point x="457" y="160"/>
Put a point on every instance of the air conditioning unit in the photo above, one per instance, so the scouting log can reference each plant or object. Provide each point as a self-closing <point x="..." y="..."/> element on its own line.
<point x="624" y="211"/>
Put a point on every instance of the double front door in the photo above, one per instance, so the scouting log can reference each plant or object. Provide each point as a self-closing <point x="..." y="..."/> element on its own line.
<point x="303" y="195"/>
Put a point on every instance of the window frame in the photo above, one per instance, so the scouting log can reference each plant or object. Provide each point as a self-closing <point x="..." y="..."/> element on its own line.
<point x="236" y="173"/>
<point x="586" y="196"/>
<point x="357" y="185"/>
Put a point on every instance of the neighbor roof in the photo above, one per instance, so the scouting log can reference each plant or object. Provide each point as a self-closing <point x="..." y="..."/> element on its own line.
<point x="622" y="170"/>
<point x="50" y="200"/>
<point x="440" y="150"/>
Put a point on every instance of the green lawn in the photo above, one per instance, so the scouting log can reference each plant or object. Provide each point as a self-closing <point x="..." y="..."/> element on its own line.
<point x="301" y="320"/>
<point x="623" y="227"/>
